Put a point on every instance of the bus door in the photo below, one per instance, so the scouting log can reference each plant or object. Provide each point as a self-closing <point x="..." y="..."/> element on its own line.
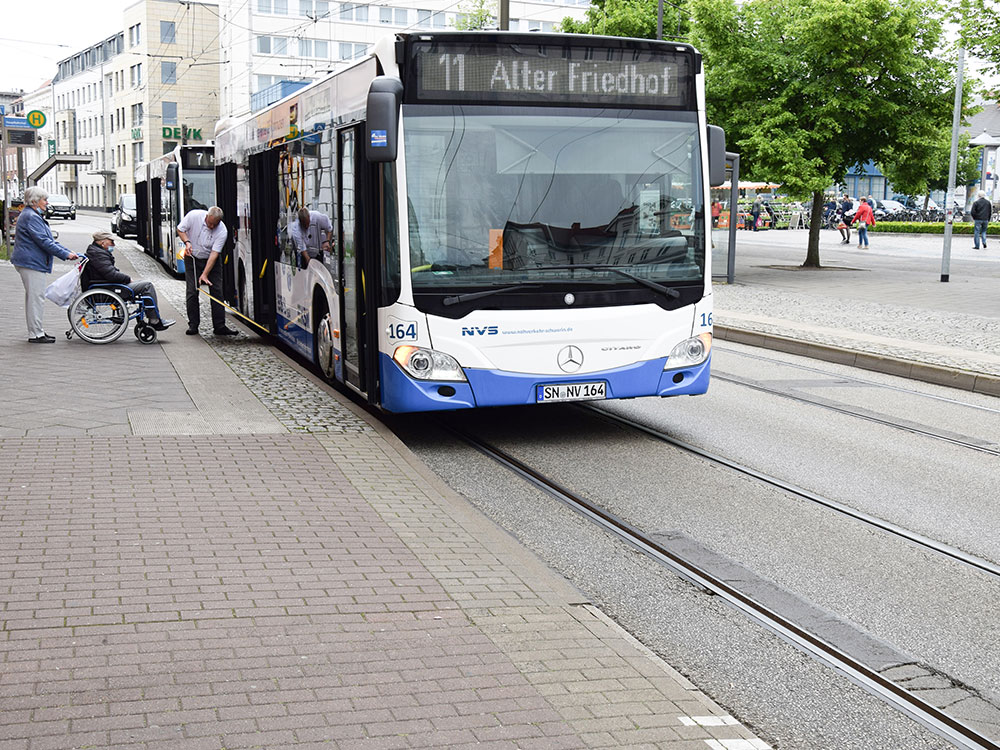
<point x="225" y="190"/>
<point x="155" y="218"/>
<point x="142" y="215"/>
<point x="264" y="235"/>
<point x="171" y="192"/>
<point x="358" y="229"/>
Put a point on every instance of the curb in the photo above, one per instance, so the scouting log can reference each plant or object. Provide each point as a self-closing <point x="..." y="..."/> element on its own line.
<point x="962" y="379"/>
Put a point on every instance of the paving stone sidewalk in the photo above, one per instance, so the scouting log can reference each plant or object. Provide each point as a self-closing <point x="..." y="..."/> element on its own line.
<point x="200" y="547"/>
<point x="887" y="303"/>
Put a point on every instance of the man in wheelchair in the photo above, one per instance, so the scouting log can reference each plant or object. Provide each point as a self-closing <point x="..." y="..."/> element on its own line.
<point x="100" y="269"/>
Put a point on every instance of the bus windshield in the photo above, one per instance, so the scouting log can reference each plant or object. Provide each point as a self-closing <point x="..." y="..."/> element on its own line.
<point x="199" y="189"/>
<point x="496" y="192"/>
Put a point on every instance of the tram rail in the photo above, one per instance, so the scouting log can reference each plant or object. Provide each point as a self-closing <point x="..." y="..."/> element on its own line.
<point x="906" y="701"/>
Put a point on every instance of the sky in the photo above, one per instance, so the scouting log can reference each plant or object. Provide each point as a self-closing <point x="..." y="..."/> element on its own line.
<point x="37" y="34"/>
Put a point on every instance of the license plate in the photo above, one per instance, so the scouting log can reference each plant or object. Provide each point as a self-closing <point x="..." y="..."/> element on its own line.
<point x="571" y="392"/>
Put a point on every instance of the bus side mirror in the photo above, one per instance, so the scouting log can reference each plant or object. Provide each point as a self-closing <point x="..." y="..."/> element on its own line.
<point x="171" y="176"/>
<point x="716" y="155"/>
<point x="382" y="116"/>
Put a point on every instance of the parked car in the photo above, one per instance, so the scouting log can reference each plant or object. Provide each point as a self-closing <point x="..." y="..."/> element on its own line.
<point x="123" y="221"/>
<point x="60" y="205"/>
<point x="916" y="202"/>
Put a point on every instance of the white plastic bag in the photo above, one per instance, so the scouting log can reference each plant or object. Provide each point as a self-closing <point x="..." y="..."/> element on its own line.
<point x="65" y="289"/>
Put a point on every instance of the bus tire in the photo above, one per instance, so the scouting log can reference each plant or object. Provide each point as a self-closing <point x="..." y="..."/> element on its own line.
<point x="323" y="342"/>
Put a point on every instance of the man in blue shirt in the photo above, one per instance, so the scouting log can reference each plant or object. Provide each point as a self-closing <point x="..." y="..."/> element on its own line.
<point x="34" y="248"/>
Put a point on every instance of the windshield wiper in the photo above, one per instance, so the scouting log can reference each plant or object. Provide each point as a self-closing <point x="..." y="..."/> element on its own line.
<point x="664" y="290"/>
<point x="459" y="298"/>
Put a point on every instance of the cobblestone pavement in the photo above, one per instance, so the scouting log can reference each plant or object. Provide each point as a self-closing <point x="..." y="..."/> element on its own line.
<point x="299" y="405"/>
<point x="887" y="301"/>
<point x="252" y="564"/>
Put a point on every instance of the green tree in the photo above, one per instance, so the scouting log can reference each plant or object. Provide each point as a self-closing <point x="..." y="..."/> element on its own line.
<point x="477" y="15"/>
<point x="632" y="18"/>
<point x="806" y="89"/>
<point x="919" y="166"/>
<point x="979" y="27"/>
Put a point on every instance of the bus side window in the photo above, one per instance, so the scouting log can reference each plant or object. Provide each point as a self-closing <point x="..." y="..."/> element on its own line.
<point x="327" y="182"/>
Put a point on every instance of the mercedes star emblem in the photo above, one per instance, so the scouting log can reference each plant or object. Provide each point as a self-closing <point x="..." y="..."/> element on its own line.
<point x="570" y="359"/>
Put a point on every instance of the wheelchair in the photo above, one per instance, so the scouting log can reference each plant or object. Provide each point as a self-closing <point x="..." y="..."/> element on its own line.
<point x="101" y="314"/>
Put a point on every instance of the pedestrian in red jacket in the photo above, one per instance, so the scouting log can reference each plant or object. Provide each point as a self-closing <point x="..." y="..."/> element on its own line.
<point x="864" y="217"/>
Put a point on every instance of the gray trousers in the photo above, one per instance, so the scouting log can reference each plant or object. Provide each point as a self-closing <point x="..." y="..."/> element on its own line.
<point x="145" y="289"/>
<point x="34" y="299"/>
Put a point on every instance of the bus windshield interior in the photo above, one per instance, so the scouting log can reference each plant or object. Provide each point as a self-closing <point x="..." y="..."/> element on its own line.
<point x="199" y="189"/>
<point x="494" y="194"/>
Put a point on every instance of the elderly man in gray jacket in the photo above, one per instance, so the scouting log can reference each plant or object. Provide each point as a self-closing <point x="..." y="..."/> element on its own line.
<point x="34" y="249"/>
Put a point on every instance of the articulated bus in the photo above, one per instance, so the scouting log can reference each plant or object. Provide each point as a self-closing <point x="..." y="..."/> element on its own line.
<point x="167" y="188"/>
<point x="514" y="219"/>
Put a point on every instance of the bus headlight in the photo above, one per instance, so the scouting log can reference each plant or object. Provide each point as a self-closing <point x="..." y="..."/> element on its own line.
<point x="692" y="351"/>
<point x="427" y="364"/>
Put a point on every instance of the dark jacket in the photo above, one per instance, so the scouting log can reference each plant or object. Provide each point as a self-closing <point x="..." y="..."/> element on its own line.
<point x="981" y="210"/>
<point x="34" y="246"/>
<point x="100" y="269"/>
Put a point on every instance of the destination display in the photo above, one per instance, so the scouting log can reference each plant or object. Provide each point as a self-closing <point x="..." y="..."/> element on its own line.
<point x="587" y="76"/>
<point x="198" y="158"/>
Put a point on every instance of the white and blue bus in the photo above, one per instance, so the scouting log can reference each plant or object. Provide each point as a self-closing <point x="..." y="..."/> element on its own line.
<point x="516" y="219"/>
<point x="166" y="188"/>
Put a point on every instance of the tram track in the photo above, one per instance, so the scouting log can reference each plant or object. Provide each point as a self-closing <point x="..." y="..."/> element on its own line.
<point x="869" y="417"/>
<point x="912" y="537"/>
<point x="936" y="719"/>
<point x="852" y="379"/>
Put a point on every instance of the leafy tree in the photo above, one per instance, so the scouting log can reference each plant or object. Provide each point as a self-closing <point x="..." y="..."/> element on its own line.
<point x="979" y="28"/>
<point x="476" y="15"/>
<point x="807" y="89"/>
<point x="918" y="167"/>
<point x="633" y="18"/>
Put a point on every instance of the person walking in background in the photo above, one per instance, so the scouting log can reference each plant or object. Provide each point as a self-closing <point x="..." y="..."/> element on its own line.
<point x="34" y="249"/>
<point x="846" y="208"/>
<point x="865" y="218"/>
<point x="755" y="212"/>
<point x="981" y="211"/>
<point x="203" y="235"/>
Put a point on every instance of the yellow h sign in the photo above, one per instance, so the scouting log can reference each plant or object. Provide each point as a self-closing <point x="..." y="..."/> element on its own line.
<point x="36" y="119"/>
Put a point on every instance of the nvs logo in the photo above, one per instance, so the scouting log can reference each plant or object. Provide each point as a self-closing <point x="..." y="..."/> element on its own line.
<point x="480" y="330"/>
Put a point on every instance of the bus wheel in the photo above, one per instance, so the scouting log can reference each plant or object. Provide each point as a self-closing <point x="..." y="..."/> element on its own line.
<point x="323" y="345"/>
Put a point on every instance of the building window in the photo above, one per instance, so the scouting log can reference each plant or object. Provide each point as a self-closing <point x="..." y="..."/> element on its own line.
<point x="137" y="153"/>
<point x="168" y="72"/>
<point x="322" y="50"/>
<point x="305" y="47"/>
<point x="280" y="45"/>
<point x="134" y="34"/>
<point x="314" y="8"/>
<point x="168" y="32"/>
<point x="395" y="16"/>
<point x="169" y="113"/>
<point x="352" y="12"/>
<point x="423" y="18"/>
<point x="135" y="75"/>
<point x="137" y="115"/>
<point x="264" y="45"/>
<point x="277" y="7"/>
<point x="169" y="146"/>
<point x="352" y="51"/>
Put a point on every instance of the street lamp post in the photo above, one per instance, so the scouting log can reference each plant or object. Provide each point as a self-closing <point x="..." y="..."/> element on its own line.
<point x="949" y="211"/>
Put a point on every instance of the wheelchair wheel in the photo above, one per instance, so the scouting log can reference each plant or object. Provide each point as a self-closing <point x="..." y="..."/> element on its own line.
<point x="146" y="334"/>
<point x="98" y="316"/>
